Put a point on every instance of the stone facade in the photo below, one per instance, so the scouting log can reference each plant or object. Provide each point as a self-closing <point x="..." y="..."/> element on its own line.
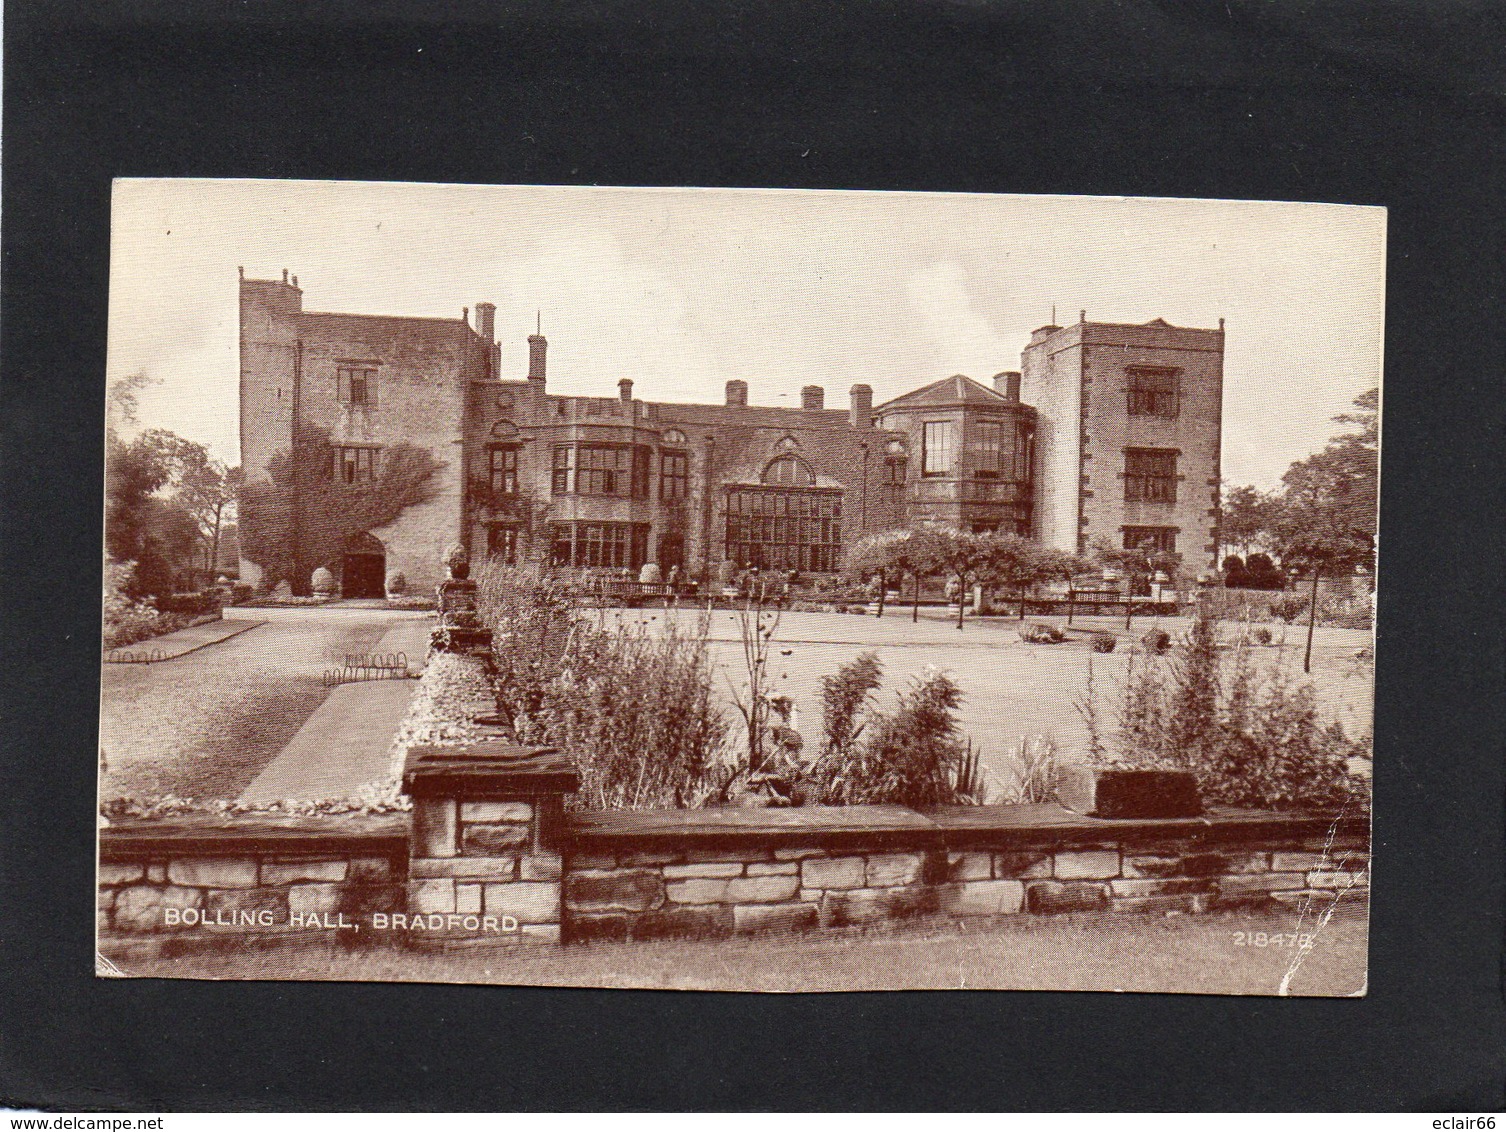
<point x="1128" y="441"/>
<point x="612" y="483"/>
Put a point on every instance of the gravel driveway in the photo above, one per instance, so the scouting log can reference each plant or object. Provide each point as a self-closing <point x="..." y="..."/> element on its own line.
<point x="205" y="725"/>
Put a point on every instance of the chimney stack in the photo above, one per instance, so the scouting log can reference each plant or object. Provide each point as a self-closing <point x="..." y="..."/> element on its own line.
<point x="737" y="392"/>
<point x="862" y="406"/>
<point x="812" y="398"/>
<point x="537" y="345"/>
<point x="625" y="389"/>
<point x="486" y="321"/>
<point x="1007" y="384"/>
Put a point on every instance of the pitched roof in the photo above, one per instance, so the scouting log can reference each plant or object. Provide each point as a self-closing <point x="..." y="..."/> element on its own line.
<point x="959" y="389"/>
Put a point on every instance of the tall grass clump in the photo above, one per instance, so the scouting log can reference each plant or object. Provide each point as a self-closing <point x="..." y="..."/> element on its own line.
<point x="632" y="707"/>
<point x="636" y="711"/>
<point x="912" y="755"/>
<point x="1253" y="740"/>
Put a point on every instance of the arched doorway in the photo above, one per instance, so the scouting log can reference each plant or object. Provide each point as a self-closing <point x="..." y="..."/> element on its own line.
<point x="363" y="567"/>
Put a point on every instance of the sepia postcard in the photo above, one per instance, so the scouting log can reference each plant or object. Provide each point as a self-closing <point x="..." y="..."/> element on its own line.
<point x="754" y="590"/>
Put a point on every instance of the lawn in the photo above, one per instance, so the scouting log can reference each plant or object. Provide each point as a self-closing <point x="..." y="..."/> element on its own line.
<point x="1013" y="690"/>
<point x="1223" y="953"/>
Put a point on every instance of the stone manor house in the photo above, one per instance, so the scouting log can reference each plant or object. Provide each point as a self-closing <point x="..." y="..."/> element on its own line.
<point x="1106" y="432"/>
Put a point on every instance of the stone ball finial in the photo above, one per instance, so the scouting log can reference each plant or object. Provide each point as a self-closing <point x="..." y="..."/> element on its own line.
<point x="457" y="561"/>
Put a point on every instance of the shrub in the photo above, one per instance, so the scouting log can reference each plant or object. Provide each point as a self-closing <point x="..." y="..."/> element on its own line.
<point x="1250" y="741"/>
<point x="1289" y="608"/>
<point x="914" y="756"/>
<point x="1261" y="635"/>
<point x="397" y="584"/>
<point x="635" y="710"/>
<point x="637" y="713"/>
<point x="1157" y="642"/>
<point x="193" y="605"/>
<point x="531" y="618"/>
<point x="240" y="593"/>
<point x="1104" y="642"/>
<point x="1041" y="634"/>
<point x="125" y="621"/>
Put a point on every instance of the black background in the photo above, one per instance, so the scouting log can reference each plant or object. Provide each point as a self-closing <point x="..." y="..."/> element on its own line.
<point x="1368" y="103"/>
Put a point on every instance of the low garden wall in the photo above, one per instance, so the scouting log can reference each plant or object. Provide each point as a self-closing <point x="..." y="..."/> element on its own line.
<point x="475" y="871"/>
<point x="202" y="878"/>
<point x="720" y="872"/>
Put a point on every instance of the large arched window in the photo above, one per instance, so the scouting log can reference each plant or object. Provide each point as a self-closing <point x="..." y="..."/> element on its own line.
<point x="789" y="471"/>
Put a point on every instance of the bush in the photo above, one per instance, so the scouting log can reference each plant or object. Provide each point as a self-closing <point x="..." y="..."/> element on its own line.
<point x="397" y="584"/>
<point x="193" y="605"/>
<point x="638" y="714"/>
<point x="240" y="593"/>
<point x="1251" y="742"/>
<point x="1289" y="608"/>
<point x="1263" y="574"/>
<point x="636" y="711"/>
<point x="1041" y="634"/>
<point x="1261" y="635"/>
<point x="1157" y="642"/>
<point x="1104" y="642"/>
<point x="914" y="756"/>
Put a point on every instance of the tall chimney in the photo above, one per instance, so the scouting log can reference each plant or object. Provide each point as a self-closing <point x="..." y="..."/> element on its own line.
<point x="862" y="406"/>
<point x="486" y="321"/>
<point x="537" y="345"/>
<point x="1007" y="384"/>
<point x="812" y="398"/>
<point x="737" y="392"/>
<point x="625" y="389"/>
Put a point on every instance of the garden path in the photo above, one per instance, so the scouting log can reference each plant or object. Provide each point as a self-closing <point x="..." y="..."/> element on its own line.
<point x="205" y="725"/>
<point x="347" y="742"/>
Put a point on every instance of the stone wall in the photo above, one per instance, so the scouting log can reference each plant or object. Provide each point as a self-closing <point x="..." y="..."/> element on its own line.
<point x="197" y="877"/>
<point x="654" y="874"/>
<point x="479" y="872"/>
<point x="483" y="859"/>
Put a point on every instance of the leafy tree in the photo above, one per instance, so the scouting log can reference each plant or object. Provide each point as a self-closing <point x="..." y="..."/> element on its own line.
<point x="912" y="554"/>
<point x="1328" y="518"/>
<point x="301" y="516"/>
<point x="140" y="525"/>
<point x="963" y="556"/>
<point x="1017" y="564"/>
<point x="207" y="490"/>
<point x="1246" y="517"/>
<point x="1138" y="564"/>
<point x="1057" y="565"/>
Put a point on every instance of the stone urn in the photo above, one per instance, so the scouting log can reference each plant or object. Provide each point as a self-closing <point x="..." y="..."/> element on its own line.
<point x="323" y="582"/>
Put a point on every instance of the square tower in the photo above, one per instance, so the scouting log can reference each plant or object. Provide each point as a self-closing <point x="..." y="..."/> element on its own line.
<point x="1128" y="439"/>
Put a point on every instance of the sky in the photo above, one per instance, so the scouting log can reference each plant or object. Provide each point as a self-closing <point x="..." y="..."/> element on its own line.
<point x="683" y="289"/>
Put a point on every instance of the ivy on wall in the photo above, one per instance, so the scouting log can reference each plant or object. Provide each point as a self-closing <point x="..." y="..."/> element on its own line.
<point x="301" y="516"/>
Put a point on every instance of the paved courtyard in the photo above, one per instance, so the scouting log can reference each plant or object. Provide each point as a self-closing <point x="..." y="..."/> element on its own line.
<point x="1013" y="690"/>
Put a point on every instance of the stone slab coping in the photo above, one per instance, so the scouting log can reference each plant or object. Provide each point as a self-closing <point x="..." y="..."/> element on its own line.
<point x="244" y="835"/>
<point x="487" y="769"/>
<point x="737" y="827"/>
<point x="1041" y="824"/>
<point x="1036" y="825"/>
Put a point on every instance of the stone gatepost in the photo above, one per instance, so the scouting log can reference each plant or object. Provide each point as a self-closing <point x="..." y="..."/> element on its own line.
<point x="484" y="863"/>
